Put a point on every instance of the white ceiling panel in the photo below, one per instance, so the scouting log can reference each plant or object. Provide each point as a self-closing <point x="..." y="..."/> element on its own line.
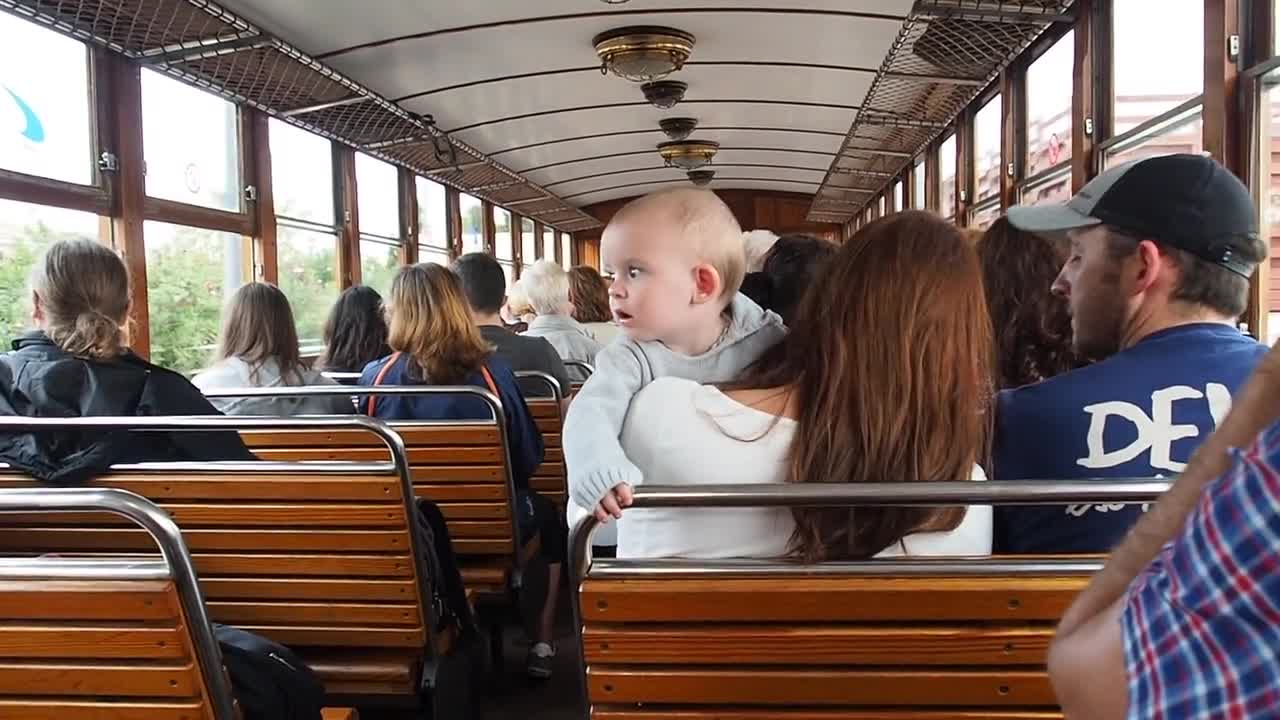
<point x="413" y="66"/>
<point x="525" y="131"/>
<point x="717" y="184"/>
<point x="551" y="177"/>
<point x="309" y="24"/>
<point x="590" y="147"/>
<point x="578" y="187"/>
<point x="491" y="101"/>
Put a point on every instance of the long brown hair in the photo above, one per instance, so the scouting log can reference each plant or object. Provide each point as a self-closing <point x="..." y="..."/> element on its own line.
<point x="257" y="326"/>
<point x="429" y="321"/>
<point x="888" y="363"/>
<point x="82" y="288"/>
<point x="589" y="294"/>
<point x="1032" y="325"/>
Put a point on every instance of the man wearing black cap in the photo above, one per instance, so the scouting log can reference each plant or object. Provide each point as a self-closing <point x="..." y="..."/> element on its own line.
<point x="1161" y="254"/>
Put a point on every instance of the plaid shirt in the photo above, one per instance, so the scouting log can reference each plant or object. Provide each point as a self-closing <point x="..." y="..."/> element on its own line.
<point x="1202" y="623"/>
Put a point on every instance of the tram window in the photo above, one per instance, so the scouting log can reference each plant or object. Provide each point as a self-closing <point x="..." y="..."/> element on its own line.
<point x="502" y="234"/>
<point x="190" y="273"/>
<point x="1049" y="84"/>
<point x="433" y="233"/>
<point x="25" y="232"/>
<point x="548" y="244"/>
<point x="947" y="173"/>
<point x="306" y="261"/>
<point x="880" y="206"/>
<point x="1056" y="188"/>
<point x="379" y="263"/>
<point x="897" y="196"/>
<point x="377" y="197"/>
<point x="1183" y="134"/>
<point x="45" y="77"/>
<point x="984" y="214"/>
<point x="1158" y="56"/>
<point x="1269" y="168"/>
<point x="986" y="149"/>
<point x="301" y="174"/>
<point x="918" y="191"/>
<point x="528" y="243"/>
<point x="471" y="210"/>
<point x="566" y="250"/>
<point x="205" y="173"/>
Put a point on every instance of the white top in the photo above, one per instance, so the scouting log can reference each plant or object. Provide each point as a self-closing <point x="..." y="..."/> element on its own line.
<point x="681" y="433"/>
<point x="234" y="373"/>
<point x="603" y="332"/>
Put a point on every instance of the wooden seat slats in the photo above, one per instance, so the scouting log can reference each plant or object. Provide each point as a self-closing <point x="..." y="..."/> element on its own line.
<point x="550" y="478"/>
<point x="461" y="466"/>
<point x="821" y="646"/>
<point x="320" y="561"/>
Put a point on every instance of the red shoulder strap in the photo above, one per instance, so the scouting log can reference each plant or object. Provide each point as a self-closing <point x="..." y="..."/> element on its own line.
<point x="488" y="380"/>
<point x="377" y="380"/>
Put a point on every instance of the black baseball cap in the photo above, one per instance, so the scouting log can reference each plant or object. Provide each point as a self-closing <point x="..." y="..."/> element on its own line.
<point x="1186" y="201"/>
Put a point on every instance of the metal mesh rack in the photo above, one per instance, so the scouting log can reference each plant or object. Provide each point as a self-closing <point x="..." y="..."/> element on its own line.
<point x="945" y="54"/>
<point x="201" y="43"/>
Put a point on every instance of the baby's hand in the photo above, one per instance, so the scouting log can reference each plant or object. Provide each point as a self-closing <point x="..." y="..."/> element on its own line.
<point x="613" y="503"/>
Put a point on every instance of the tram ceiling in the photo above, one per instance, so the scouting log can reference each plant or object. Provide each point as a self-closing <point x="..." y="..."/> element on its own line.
<point x="505" y="99"/>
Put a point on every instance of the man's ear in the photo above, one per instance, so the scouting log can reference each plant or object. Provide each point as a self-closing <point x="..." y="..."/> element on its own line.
<point x="1150" y="264"/>
<point x="37" y="308"/>
<point x="707" y="284"/>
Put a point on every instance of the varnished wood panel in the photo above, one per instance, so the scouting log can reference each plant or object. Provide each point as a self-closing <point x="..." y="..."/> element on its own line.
<point x="867" y="599"/>
<point x="818" y="644"/>
<point x="92" y="642"/>
<point x="90" y="709"/>
<point x="605" y="712"/>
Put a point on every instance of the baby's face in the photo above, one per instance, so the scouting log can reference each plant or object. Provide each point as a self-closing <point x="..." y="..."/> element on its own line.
<point x="653" y="280"/>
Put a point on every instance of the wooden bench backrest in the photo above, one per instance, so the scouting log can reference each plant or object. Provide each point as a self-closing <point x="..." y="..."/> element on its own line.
<point x="856" y="645"/>
<point x="105" y="637"/>
<point x="543" y="396"/>
<point x="316" y="560"/>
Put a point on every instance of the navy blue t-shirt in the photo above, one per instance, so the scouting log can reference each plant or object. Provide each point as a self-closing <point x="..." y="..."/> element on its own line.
<point x="1140" y="413"/>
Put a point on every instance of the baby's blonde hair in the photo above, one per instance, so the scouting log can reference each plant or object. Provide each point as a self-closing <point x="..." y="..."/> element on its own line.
<point x="704" y="222"/>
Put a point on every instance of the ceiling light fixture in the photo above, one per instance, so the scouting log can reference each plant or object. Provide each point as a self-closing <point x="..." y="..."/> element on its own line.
<point x="701" y="177"/>
<point x="664" y="94"/>
<point x="642" y="53"/>
<point x="678" y="128"/>
<point x="688" y="154"/>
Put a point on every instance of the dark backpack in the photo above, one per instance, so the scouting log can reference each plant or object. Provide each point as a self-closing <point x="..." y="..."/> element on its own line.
<point x="269" y="681"/>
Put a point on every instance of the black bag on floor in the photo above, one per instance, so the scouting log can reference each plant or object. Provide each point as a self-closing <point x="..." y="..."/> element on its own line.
<point x="268" y="679"/>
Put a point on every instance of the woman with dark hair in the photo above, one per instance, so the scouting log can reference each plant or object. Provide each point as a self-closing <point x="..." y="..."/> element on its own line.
<point x="828" y="405"/>
<point x="1032" y="325"/>
<point x="589" y="293"/>
<point x="788" y="270"/>
<point x="356" y="332"/>
<point x="258" y="347"/>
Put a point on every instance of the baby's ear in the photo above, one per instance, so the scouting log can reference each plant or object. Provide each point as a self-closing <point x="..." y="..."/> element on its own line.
<point x="707" y="284"/>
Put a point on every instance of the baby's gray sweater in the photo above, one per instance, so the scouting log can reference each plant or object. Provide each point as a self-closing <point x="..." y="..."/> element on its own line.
<point x="592" y="450"/>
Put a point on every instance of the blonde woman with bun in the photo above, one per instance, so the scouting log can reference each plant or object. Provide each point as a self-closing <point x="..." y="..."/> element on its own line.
<point x="76" y="362"/>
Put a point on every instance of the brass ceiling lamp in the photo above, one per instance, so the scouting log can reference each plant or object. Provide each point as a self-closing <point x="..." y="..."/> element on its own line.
<point x="643" y="53"/>
<point x="664" y="94"/>
<point x="701" y="177"/>
<point x="678" y="128"/>
<point x="688" y="154"/>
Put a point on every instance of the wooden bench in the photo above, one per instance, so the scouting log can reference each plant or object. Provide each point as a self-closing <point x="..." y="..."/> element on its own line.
<point x="545" y="400"/>
<point x="461" y="465"/>
<point x="125" y="638"/>
<point x="882" y="639"/>
<point x="319" y="557"/>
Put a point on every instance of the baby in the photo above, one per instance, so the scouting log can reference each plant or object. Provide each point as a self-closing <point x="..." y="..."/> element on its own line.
<point x="677" y="259"/>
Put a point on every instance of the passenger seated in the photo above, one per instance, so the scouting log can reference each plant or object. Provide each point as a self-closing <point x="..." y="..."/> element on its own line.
<point x="788" y="270"/>
<point x="828" y="406"/>
<point x="1161" y="254"/>
<point x="77" y="363"/>
<point x="546" y="285"/>
<point x="258" y="347"/>
<point x="677" y="259"/>
<point x="589" y="293"/>
<point x="436" y="343"/>
<point x="486" y="287"/>
<point x="1032" y="323"/>
<point x="355" y="334"/>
